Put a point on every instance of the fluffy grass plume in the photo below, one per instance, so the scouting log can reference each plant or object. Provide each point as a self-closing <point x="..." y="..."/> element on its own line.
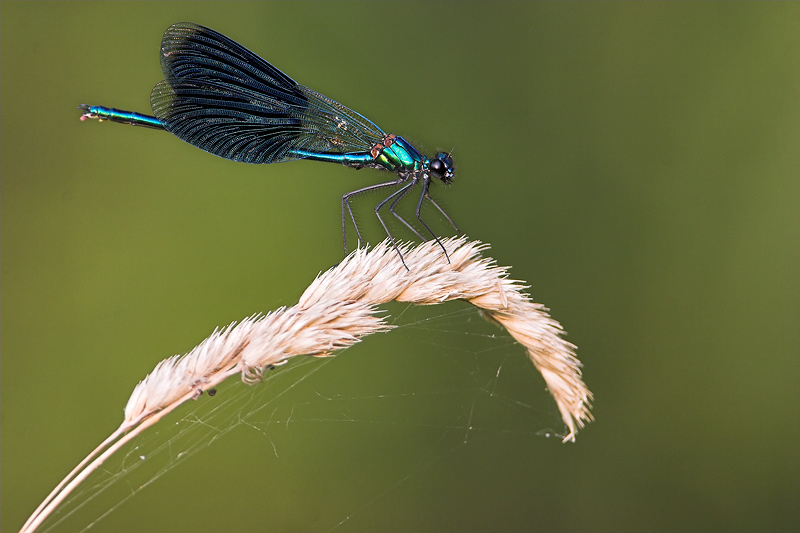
<point x="336" y="311"/>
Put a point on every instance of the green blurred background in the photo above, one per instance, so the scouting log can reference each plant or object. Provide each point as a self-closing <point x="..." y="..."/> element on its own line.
<point x="636" y="163"/>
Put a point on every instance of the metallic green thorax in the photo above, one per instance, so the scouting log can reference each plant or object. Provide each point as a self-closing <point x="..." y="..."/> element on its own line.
<point x="398" y="155"/>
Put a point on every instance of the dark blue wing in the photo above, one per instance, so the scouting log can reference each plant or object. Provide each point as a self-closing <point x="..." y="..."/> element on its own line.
<point x="226" y="100"/>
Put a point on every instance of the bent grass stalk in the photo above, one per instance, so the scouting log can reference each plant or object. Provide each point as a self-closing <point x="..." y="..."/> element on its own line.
<point x="336" y="311"/>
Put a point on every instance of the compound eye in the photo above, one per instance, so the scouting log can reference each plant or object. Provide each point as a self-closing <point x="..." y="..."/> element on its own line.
<point x="442" y="167"/>
<point x="438" y="168"/>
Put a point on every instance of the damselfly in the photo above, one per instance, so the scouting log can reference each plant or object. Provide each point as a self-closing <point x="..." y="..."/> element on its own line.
<point x="224" y="99"/>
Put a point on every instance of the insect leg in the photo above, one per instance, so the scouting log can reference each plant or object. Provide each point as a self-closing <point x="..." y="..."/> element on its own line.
<point x="346" y="206"/>
<point x="425" y="184"/>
